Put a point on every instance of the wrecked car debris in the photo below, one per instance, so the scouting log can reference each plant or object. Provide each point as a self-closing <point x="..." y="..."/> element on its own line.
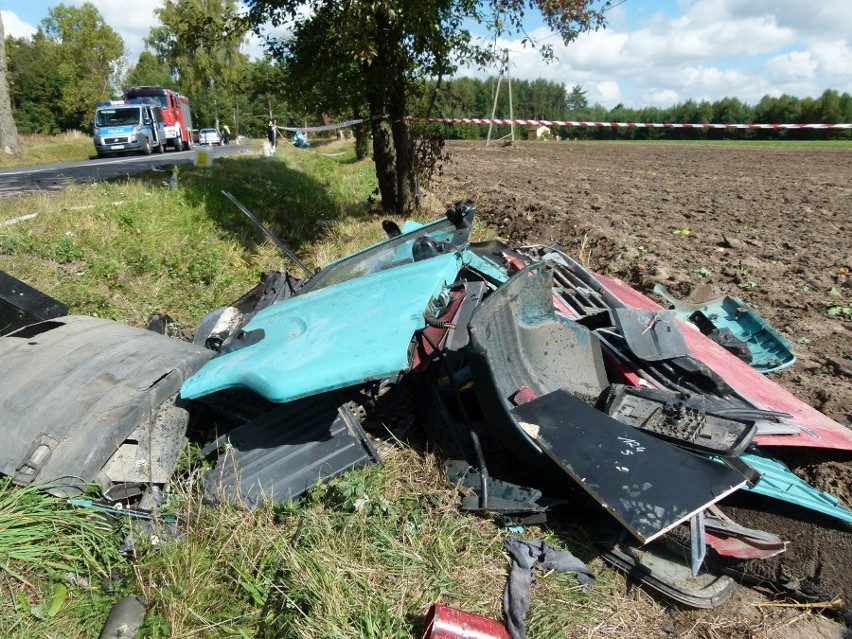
<point x="684" y="419"/>
<point x="733" y="324"/>
<point x="282" y="453"/>
<point x="386" y="292"/>
<point x="86" y="400"/>
<point x="667" y="572"/>
<point x="527" y="555"/>
<point x="553" y="357"/>
<point x="305" y="346"/>
<point x="648" y="485"/>
<point x="22" y="305"/>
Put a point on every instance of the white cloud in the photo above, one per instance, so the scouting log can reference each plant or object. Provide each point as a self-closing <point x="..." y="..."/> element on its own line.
<point x="713" y="49"/>
<point x="606" y="92"/>
<point x="15" y="27"/>
<point x="835" y="59"/>
<point x="813" y="20"/>
<point x="654" y="97"/>
<point x="132" y="24"/>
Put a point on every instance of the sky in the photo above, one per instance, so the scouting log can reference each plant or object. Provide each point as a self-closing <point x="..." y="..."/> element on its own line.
<point x="652" y="53"/>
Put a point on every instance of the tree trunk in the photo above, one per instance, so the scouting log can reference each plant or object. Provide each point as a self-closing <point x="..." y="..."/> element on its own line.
<point x="406" y="181"/>
<point x="361" y="132"/>
<point x="9" y="142"/>
<point x="385" y="159"/>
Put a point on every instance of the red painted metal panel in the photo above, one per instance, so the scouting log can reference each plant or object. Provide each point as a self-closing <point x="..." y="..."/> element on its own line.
<point x="818" y="430"/>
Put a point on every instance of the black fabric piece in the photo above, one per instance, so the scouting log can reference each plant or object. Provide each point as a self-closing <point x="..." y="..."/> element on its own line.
<point x="527" y="555"/>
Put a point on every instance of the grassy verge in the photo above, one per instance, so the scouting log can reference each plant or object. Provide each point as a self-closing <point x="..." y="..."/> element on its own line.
<point x="362" y="557"/>
<point x="48" y="149"/>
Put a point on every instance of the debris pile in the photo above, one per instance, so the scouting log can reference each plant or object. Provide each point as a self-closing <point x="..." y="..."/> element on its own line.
<point x="647" y="420"/>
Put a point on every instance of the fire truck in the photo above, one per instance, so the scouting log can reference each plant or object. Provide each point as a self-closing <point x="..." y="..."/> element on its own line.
<point x="176" y="116"/>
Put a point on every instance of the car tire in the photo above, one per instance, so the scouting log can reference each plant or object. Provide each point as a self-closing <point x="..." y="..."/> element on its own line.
<point x="146" y="150"/>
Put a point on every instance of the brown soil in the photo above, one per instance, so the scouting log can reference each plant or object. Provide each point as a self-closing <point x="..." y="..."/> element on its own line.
<point x="771" y="225"/>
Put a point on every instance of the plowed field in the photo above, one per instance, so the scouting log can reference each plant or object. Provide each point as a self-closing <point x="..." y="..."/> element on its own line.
<point x="769" y="224"/>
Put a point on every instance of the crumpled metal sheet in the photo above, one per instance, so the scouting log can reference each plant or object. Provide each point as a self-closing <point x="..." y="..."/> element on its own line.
<point x="75" y="389"/>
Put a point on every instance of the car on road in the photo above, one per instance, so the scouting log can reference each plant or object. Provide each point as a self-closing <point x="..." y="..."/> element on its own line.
<point x="209" y="136"/>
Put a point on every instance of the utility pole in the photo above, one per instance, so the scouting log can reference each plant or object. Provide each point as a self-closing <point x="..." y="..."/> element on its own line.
<point x="504" y="67"/>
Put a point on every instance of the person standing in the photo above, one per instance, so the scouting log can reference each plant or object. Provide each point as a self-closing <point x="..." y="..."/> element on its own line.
<point x="272" y="134"/>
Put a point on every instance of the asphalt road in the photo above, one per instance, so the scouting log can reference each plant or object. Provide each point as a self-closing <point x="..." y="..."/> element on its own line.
<point x="52" y="177"/>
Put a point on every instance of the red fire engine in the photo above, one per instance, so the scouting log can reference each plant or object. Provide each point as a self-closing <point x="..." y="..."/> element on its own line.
<point x="176" y="114"/>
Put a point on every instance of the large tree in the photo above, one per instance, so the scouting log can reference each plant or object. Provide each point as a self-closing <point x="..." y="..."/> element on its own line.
<point x="200" y="40"/>
<point x="8" y="131"/>
<point x="89" y="59"/>
<point x="149" y="70"/>
<point x="396" y="43"/>
<point x="36" y="84"/>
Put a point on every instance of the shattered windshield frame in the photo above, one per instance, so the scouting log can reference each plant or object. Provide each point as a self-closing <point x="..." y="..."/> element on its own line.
<point x="396" y="251"/>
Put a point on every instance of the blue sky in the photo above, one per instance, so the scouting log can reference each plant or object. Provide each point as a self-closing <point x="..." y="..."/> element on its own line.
<point x="652" y="53"/>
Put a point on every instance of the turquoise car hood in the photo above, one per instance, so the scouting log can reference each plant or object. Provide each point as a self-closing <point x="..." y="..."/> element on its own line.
<point x="334" y="337"/>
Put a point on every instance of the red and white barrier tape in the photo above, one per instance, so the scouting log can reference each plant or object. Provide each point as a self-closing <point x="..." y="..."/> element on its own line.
<point x="325" y="127"/>
<point x="577" y="123"/>
<point x="629" y="125"/>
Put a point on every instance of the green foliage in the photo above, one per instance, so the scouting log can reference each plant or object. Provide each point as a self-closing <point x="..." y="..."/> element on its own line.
<point x="87" y="57"/>
<point x="35" y="84"/>
<point x="58" y="75"/>
<point x="200" y="43"/>
<point x="838" y="307"/>
<point x="150" y="71"/>
<point x="267" y="98"/>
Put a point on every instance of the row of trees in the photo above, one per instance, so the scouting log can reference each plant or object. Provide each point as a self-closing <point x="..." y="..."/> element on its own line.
<point x="356" y="58"/>
<point x="546" y="100"/>
<point x="378" y="60"/>
<point x="75" y="60"/>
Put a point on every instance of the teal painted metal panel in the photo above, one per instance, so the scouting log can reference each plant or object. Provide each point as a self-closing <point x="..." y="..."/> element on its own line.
<point x="779" y="482"/>
<point x="331" y="338"/>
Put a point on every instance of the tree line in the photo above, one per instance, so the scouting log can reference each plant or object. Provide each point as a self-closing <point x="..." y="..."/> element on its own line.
<point x="548" y="100"/>
<point x="381" y="61"/>
<point x="75" y="60"/>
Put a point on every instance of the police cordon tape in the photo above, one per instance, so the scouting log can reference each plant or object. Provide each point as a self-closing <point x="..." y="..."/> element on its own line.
<point x="579" y="123"/>
<point x="629" y="125"/>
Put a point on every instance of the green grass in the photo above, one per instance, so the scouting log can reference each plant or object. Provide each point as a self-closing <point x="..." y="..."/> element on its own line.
<point x="52" y="558"/>
<point x="43" y="149"/>
<point x="362" y="557"/>
<point x="123" y="250"/>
